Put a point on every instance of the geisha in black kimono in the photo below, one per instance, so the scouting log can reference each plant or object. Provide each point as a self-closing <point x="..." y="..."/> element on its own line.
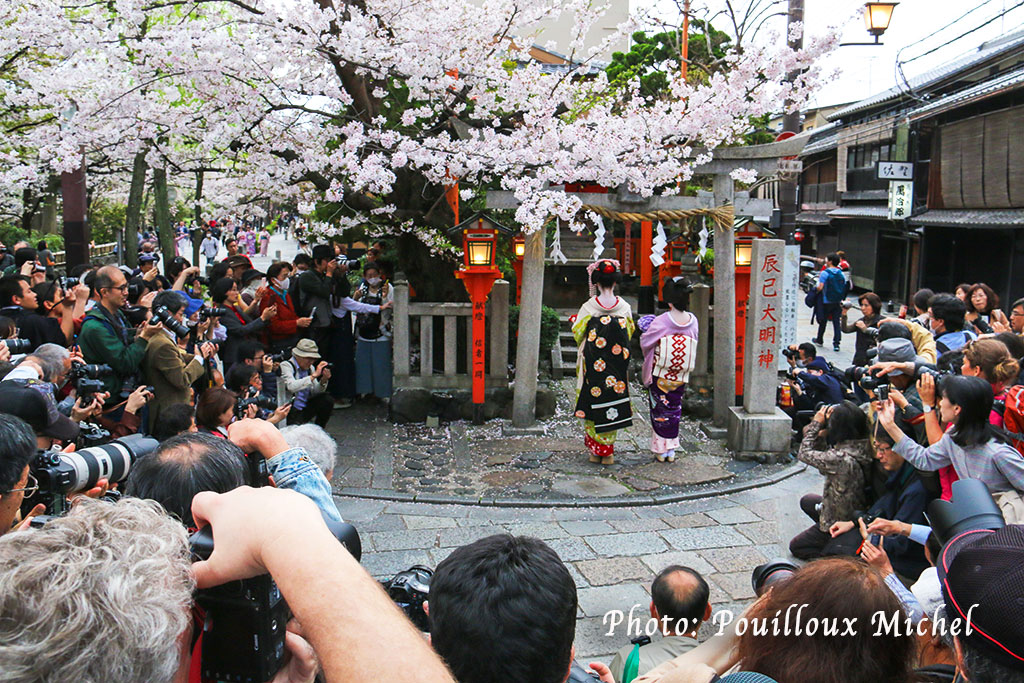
<point x="602" y="329"/>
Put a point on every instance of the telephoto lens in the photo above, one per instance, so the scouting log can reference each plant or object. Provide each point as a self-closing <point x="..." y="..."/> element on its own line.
<point x="17" y="346"/>
<point x="970" y="507"/>
<point x="766" y="575"/>
<point x="59" y="474"/>
<point x="161" y="314"/>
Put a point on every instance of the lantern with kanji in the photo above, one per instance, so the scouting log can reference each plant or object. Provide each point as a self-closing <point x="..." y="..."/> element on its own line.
<point x="478" y="274"/>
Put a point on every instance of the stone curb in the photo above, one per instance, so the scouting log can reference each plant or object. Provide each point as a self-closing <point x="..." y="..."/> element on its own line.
<point x="566" y="502"/>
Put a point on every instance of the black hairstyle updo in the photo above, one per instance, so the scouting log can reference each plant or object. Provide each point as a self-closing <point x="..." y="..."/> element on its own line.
<point x="606" y="275"/>
<point x="677" y="292"/>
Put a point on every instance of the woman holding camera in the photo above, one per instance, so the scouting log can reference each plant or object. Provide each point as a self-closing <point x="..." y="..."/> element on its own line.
<point x="236" y="321"/>
<point x="373" y="335"/>
<point x="247" y="382"/>
<point x="284" y="328"/>
<point x="991" y="360"/>
<point x="216" y="410"/>
<point x="342" y="386"/>
<point x="836" y="443"/>
<point x="971" y="445"/>
<point x="983" y="309"/>
<point x="871" y="313"/>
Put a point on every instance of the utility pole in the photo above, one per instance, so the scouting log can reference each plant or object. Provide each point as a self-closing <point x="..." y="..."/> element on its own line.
<point x="685" y="47"/>
<point x="791" y="123"/>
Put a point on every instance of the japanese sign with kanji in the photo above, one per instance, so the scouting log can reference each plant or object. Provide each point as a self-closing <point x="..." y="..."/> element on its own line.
<point x="791" y="295"/>
<point x="901" y="199"/>
<point x="766" y="309"/>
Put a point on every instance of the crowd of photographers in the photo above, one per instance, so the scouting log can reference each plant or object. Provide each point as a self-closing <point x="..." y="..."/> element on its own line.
<point x="166" y="480"/>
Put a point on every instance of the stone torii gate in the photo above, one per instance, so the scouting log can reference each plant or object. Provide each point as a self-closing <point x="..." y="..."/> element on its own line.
<point x="722" y="207"/>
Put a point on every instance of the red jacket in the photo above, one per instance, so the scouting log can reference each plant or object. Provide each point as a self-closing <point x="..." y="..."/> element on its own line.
<point x="281" y="326"/>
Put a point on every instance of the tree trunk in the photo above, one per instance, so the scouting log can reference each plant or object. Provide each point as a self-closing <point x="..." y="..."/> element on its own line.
<point x="162" y="215"/>
<point x="29" y="206"/>
<point x="48" y="214"/>
<point x="133" y="214"/>
<point x="196" y="233"/>
<point x="524" y="397"/>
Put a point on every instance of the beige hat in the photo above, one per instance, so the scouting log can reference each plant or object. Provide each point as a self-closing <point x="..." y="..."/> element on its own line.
<point x="306" y="348"/>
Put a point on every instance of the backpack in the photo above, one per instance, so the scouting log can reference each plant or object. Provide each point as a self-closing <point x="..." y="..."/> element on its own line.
<point x="1013" y="416"/>
<point x="835" y="285"/>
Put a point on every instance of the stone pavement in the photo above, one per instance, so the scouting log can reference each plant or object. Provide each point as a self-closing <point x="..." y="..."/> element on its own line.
<point x="461" y="462"/>
<point x="613" y="554"/>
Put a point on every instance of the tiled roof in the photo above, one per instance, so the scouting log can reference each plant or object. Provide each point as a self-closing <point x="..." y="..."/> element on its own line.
<point x="873" y="212"/>
<point x="813" y="217"/>
<point x="970" y="218"/>
<point x="823" y="139"/>
<point x="984" y="52"/>
<point x="1008" y="81"/>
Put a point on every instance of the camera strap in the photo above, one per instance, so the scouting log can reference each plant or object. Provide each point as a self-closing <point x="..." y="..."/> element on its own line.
<point x="631" y="668"/>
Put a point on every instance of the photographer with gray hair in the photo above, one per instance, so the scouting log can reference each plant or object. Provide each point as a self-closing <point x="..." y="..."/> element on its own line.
<point x="102" y="594"/>
<point x="45" y="371"/>
<point x="105" y="593"/>
<point x="318" y="444"/>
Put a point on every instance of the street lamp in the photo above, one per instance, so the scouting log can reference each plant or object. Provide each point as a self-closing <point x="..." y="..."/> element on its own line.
<point x="877" y="16"/>
<point x="478" y="274"/>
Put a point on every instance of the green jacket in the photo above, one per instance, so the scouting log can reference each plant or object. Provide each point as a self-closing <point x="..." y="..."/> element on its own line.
<point x="100" y="343"/>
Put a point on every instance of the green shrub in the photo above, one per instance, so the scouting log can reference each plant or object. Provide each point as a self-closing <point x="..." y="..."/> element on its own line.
<point x="549" y="328"/>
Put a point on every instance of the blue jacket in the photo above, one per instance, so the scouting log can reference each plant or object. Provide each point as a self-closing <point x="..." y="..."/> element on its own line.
<point x="904" y="500"/>
<point x="292" y="469"/>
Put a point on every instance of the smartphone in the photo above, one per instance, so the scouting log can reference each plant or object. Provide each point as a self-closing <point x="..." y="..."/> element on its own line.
<point x="312" y="313"/>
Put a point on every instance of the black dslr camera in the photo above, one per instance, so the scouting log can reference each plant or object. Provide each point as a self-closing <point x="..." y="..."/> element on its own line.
<point x="791" y="354"/>
<point x="409" y="590"/>
<point x="280" y="356"/>
<point x="59" y="474"/>
<point x="17" y="346"/>
<point x="348" y="263"/>
<point x="264" y="402"/>
<point x="87" y="379"/>
<point x="161" y="314"/>
<point x="207" y="312"/>
<point x="868" y="381"/>
<point x="244" y="632"/>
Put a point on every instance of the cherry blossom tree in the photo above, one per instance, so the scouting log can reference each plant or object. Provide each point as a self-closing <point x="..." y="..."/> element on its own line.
<point x="370" y="106"/>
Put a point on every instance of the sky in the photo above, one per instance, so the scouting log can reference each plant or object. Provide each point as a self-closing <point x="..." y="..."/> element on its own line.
<point x="864" y="71"/>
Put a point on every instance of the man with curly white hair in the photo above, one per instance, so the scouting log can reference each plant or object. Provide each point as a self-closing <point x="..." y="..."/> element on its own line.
<point x="319" y="445"/>
<point x="104" y="594"/>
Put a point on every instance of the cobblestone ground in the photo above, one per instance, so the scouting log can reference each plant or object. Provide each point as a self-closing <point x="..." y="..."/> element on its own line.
<point x="612" y="553"/>
<point x="480" y="463"/>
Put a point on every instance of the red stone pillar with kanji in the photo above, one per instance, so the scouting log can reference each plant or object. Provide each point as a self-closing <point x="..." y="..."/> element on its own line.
<point x="763" y="327"/>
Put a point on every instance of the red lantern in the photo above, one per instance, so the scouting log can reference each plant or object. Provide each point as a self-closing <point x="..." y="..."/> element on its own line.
<point x="798" y="236"/>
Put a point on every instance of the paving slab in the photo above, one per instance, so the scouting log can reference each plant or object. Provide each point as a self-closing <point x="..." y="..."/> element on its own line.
<point x="703" y="537"/>
<point x="587" y="528"/>
<point x="734" y="559"/>
<point x="733" y="515"/>
<point x="684" y="558"/>
<point x="596" y="602"/>
<point x="615" y="545"/>
<point x="586" y="487"/>
<point x="608" y="571"/>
